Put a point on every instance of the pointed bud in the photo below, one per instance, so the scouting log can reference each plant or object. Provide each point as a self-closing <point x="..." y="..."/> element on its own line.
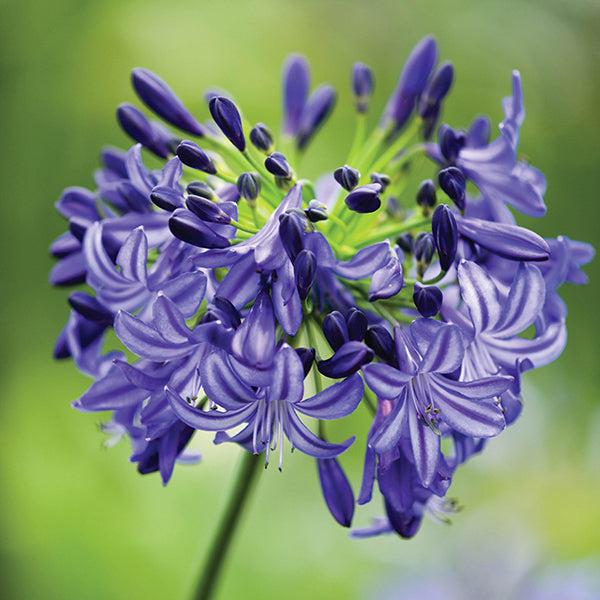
<point x="228" y="120"/>
<point x="291" y="233"/>
<point x="305" y="266"/>
<point x="438" y="86"/>
<point x="316" y="212"/>
<point x="307" y="356"/>
<point x="186" y="226"/>
<point x="428" y="299"/>
<point x="406" y="242"/>
<point x="167" y="197"/>
<point x="315" y="113"/>
<point x="357" y="324"/>
<point x="363" y="82"/>
<point x="296" y="81"/>
<point x="347" y="360"/>
<point x="336" y="491"/>
<point x="200" y="188"/>
<point x="453" y="182"/>
<point x="426" y="196"/>
<point x="364" y="199"/>
<point x="277" y="164"/>
<point x="335" y="329"/>
<point x="248" y="185"/>
<point x="207" y="210"/>
<point x="193" y="156"/>
<point x="262" y="138"/>
<point x="159" y="97"/>
<point x="445" y="235"/>
<point x="135" y="124"/>
<point x="378" y="338"/>
<point x="90" y="308"/>
<point x="424" y="249"/>
<point x="347" y="177"/>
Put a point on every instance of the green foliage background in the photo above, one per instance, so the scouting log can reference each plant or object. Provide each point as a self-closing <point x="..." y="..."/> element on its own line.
<point x="77" y="521"/>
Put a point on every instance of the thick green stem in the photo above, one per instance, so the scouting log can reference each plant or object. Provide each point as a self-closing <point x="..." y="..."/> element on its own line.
<point x="217" y="554"/>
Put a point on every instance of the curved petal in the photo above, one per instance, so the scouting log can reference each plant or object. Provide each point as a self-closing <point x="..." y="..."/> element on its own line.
<point x="389" y="433"/>
<point x="133" y="256"/>
<point x="335" y="402"/>
<point x="169" y="321"/>
<point x="365" y="262"/>
<point x="287" y="382"/>
<point x="186" y="291"/>
<point x="446" y="351"/>
<point x="387" y="382"/>
<point x="425" y="445"/>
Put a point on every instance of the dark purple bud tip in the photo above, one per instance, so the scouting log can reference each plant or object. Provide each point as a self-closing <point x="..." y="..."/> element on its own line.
<point x="135" y="124"/>
<point x="382" y="179"/>
<point x="347" y="360"/>
<point x="228" y="120"/>
<point x="291" y="233"/>
<point x="379" y="339"/>
<point x="307" y="356"/>
<point x="166" y="197"/>
<point x="200" y="188"/>
<point x="364" y="199"/>
<point x="336" y="491"/>
<point x="207" y="210"/>
<point x="428" y="299"/>
<point x="426" y="197"/>
<point x="406" y="242"/>
<point x="262" y="138"/>
<point x="90" y="308"/>
<point x="393" y="207"/>
<point x="227" y="312"/>
<point x="436" y="90"/>
<point x="445" y="235"/>
<point x="347" y="177"/>
<point x="453" y="182"/>
<point x="315" y="113"/>
<point x="159" y="97"/>
<point x="357" y="324"/>
<point x="451" y="143"/>
<point x="248" y="185"/>
<point x="193" y="156"/>
<point x="363" y="83"/>
<point x="305" y="266"/>
<point x="335" y="329"/>
<point x="316" y="212"/>
<point x="424" y="249"/>
<point x="186" y="226"/>
<point x="277" y="165"/>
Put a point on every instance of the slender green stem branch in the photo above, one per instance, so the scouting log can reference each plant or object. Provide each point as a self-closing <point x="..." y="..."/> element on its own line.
<point x="217" y="554"/>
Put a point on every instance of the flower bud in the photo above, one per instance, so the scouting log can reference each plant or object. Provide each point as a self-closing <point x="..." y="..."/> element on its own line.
<point x="135" y="124"/>
<point x="364" y="199"/>
<point x="347" y="177"/>
<point x="305" y="266"/>
<point x="228" y="120"/>
<point x="451" y="143"/>
<point x="378" y="338"/>
<point x="291" y="233"/>
<point x="424" y="249"/>
<point x="335" y="329"/>
<point x="307" y="356"/>
<point x="200" y="188"/>
<point x="357" y="324"/>
<point x="277" y="164"/>
<point x="248" y="185"/>
<point x="262" y="138"/>
<point x="207" y="210"/>
<point x="363" y="83"/>
<point x="437" y="88"/>
<point x="166" y="197"/>
<point x="336" y="490"/>
<point x="347" y="360"/>
<point x="316" y="212"/>
<point x="159" y="97"/>
<point x="428" y="299"/>
<point x="406" y="242"/>
<point x="228" y="313"/>
<point x="193" y="156"/>
<point x="453" y="182"/>
<point x="426" y="197"/>
<point x="317" y="109"/>
<point x="296" y="81"/>
<point x="382" y="179"/>
<point x="393" y="207"/>
<point x="186" y="226"/>
<point x="90" y="308"/>
<point x="445" y="235"/>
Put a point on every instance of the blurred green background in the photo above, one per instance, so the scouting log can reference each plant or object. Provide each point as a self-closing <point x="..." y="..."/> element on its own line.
<point x="77" y="521"/>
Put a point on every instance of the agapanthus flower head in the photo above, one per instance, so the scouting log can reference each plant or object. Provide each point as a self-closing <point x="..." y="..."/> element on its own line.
<point x="259" y="305"/>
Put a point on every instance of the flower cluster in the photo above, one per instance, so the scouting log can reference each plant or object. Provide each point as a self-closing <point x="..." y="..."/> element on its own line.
<point x="260" y="305"/>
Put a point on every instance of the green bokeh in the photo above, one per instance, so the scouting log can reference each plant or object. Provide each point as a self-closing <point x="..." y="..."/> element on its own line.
<point x="78" y="521"/>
